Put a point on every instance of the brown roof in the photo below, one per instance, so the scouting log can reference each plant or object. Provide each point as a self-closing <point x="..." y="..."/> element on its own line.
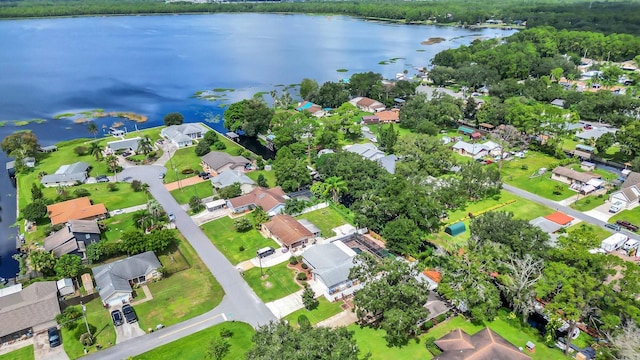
<point x="485" y="345"/>
<point x="34" y="305"/>
<point x="389" y="115"/>
<point x="76" y="209"/>
<point x="559" y="218"/>
<point x="575" y="175"/>
<point x="266" y="198"/>
<point x="485" y="125"/>
<point x="287" y="229"/>
<point x="366" y="102"/>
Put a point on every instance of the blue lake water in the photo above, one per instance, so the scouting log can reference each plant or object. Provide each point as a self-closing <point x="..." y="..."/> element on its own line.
<point x="152" y="65"/>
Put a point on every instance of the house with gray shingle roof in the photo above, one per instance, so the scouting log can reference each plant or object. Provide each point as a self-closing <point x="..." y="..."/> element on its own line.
<point x="73" y="238"/>
<point x="31" y="309"/>
<point x="371" y="152"/>
<point x="230" y="177"/>
<point x="217" y="162"/>
<point x="629" y="193"/>
<point x="67" y="175"/>
<point x="126" y="144"/>
<point x="330" y="265"/>
<point x="183" y="135"/>
<point x="114" y="280"/>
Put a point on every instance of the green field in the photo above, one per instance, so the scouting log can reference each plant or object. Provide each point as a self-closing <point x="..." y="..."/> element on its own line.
<point x="370" y="340"/>
<point x="587" y="203"/>
<point x="279" y="282"/>
<point x="324" y="311"/>
<point x="182" y="295"/>
<point x="25" y="353"/>
<point x="325" y="219"/>
<point x="105" y="334"/>
<point x="194" y="346"/>
<point x="202" y="190"/>
<point x="226" y="239"/>
<point x="514" y="174"/>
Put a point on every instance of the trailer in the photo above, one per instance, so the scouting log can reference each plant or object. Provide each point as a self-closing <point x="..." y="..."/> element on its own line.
<point x="614" y="242"/>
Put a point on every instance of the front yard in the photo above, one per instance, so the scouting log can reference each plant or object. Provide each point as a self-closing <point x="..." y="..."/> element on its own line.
<point x="202" y="190"/>
<point x="99" y="319"/>
<point x="587" y="203"/>
<point x="325" y="219"/>
<point x="99" y="193"/>
<point x="235" y="246"/>
<point x="25" y="353"/>
<point x="324" y="311"/>
<point x="277" y="283"/>
<point x="195" y="345"/>
<point x="633" y="216"/>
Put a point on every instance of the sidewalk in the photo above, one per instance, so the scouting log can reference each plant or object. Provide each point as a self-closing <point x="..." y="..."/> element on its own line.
<point x="570" y="200"/>
<point x="147" y="296"/>
<point x="128" y="210"/>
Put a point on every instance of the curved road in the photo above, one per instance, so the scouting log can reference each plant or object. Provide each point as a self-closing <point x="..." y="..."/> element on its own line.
<point x="239" y="303"/>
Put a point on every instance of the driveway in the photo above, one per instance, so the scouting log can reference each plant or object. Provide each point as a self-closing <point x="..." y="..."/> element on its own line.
<point x="126" y="331"/>
<point x="42" y="350"/>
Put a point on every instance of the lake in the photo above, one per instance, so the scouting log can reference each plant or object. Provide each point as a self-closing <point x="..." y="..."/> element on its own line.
<point x="153" y="65"/>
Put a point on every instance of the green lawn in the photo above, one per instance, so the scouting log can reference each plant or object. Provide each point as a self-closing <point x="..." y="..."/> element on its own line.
<point x="633" y="216"/>
<point x="279" y="282"/>
<point x="324" y="311"/>
<point x="270" y="176"/>
<point x="396" y="127"/>
<point x="182" y="295"/>
<point x="202" y="190"/>
<point x="589" y="202"/>
<point x="223" y="235"/>
<point x="181" y="159"/>
<point x="25" y="353"/>
<point x="123" y="197"/>
<point x="194" y="346"/>
<point x="116" y="225"/>
<point x="521" y="209"/>
<point x="325" y="219"/>
<point x="599" y="232"/>
<point x="514" y="174"/>
<point x="370" y="340"/>
<point x="517" y="336"/>
<point x="97" y="317"/>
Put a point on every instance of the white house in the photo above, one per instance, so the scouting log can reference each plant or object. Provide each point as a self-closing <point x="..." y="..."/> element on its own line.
<point x="366" y="104"/>
<point x="183" y="135"/>
<point x="330" y="265"/>
<point x="230" y="177"/>
<point x="629" y="193"/>
<point x="466" y="149"/>
<point x="67" y="175"/>
<point x="126" y="144"/>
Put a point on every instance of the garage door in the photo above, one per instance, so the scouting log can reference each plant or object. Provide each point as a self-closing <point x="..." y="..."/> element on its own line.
<point x="118" y="300"/>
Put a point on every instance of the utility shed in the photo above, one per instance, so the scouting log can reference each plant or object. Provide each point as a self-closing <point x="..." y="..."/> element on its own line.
<point x="455" y="229"/>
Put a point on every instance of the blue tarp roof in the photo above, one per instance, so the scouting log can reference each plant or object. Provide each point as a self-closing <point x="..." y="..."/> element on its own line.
<point x="585" y="148"/>
<point x="305" y="106"/>
<point x="465" y="129"/>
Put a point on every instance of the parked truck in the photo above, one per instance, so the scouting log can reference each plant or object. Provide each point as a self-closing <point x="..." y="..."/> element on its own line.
<point x="614" y="242"/>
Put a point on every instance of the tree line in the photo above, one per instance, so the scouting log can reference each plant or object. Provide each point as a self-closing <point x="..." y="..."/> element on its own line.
<point x="606" y="17"/>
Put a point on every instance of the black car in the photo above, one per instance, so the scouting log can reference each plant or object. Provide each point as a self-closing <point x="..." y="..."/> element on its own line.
<point x="129" y="313"/>
<point x="102" y="178"/>
<point x="116" y="316"/>
<point x="54" y="337"/>
<point x="614" y="227"/>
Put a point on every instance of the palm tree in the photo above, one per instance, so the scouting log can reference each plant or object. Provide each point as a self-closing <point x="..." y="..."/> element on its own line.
<point x="112" y="162"/>
<point x="93" y="129"/>
<point x="335" y="185"/>
<point x="142" y="220"/>
<point x="144" y="145"/>
<point x="96" y="150"/>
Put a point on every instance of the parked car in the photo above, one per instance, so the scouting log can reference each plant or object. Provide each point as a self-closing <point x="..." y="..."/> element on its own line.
<point x="614" y="227"/>
<point x="102" y="178"/>
<point x="627" y="225"/>
<point x="116" y="316"/>
<point x="129" y="313"/>
<point x="172" y="217"/>
<point x="54" y="337"/>
<point x="161" y="176"/>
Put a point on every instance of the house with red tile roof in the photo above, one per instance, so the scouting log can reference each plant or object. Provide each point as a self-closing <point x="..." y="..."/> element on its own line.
<point x="75" y="209"/>
<point x="271" y="200"/>
<point x="287" y="231"/>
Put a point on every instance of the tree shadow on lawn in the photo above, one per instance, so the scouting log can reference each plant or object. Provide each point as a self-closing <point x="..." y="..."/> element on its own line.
<point x="101" y="330"/>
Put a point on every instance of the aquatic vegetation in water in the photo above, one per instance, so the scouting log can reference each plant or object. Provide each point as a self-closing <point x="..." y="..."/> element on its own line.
<point x="63" y="115"/>
<point x="432" y="40"/>
<point x="223" y="90"/>
<point x="342" y="70"/>
<point x="30" y="121"/>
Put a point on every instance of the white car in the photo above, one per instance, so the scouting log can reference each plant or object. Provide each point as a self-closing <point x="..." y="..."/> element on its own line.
<point x="117" y="212"/>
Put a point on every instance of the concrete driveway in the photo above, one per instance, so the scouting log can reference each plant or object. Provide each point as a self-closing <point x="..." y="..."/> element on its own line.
<point x="126" y="331"/>
<point x="42" y="350"/>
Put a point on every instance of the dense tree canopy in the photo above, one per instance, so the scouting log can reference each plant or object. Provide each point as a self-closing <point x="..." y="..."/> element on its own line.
<point x="249" y="115"/>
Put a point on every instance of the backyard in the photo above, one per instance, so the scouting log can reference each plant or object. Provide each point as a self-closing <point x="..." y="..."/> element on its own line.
<point x="599" y="232"/>
<point x="371" y="340"/>
<point x="99" y="193"/>
<point x="100" y="320"/>
<point x="270" y="176"/>
<point x="325" y="219"/>
<point x="116" y="225"/>
<point x="25" y="353"/>
<point x="202" y="190"/>
<point x="235" y="246"/>
<point x="181" y="295"/>
<point x="324" y="311"/>
<point x="195" y="345"/>
<point x="278" y="282"/>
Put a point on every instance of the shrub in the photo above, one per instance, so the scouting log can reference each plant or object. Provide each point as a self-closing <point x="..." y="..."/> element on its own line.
<point x="524" y="167"/>
<point x="112" y="187"/>
<point x="226" y="333"/>
<point x="80" y="192"/>
<point x="136" y="185"/>
<point x="86" y="339"/>
<point x="236" y="151"/>
<point x="301" y="276"/>
<point x="247" y="154"/>
<point x="187" y="171"/>
<point x="427" y="325"/>
<point x="293" y="260"/>
<point x="219" y="145"/>
<point x="430" y="343"/>
<point x="303" y="322"/>
<point x="202" y="148"/>
<point x="442" y="317"/>
<point x="241" y="248"/>
<point x="80" y="150"/>
<point x="242" y="224"/>
<point x="152" y="155"/>
<point x="304" y="266"/>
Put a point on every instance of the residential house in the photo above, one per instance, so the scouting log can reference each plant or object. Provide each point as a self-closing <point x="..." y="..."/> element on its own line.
<point x="431" y="277"/>
<point x="366" y="104"/>
<point x="73" y="238"/>
<point x="483" y="345"/>
<point x="67" y="175"/>
<point x="184" y="135"/>
<point x="75" y="209"/>
<point x="271" y="200"/>
<point x="370" y="120"/>
<point x="560" y="218"/>
<point x="330" y="265"/>
<point x="389" y="116"/>
<point x="315" y="109"/>
<point x="435" y="305"/>
<point x="594" y="132"/>
<point x="230" y="177"/>
<point x="311" y="227"/>
<point x="629" y="192"/>
<point x="493" y="148"/>
<point x="371" y="152"/>
<point x="558" y="103"/>
<point x="486" y="127"/>
<point x="115" y="280"/>
<point x="124" y="145"/>
<point x="287" y="231"/>
<point x="216" y="162"/>
<point x="575" y="179"/>
<point x="28" y="310"/>
<point x="474" y="150"/>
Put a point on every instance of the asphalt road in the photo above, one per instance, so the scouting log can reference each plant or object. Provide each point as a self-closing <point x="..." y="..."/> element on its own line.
<point x="565" y="209"/>
<point x="240" y="303"/>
